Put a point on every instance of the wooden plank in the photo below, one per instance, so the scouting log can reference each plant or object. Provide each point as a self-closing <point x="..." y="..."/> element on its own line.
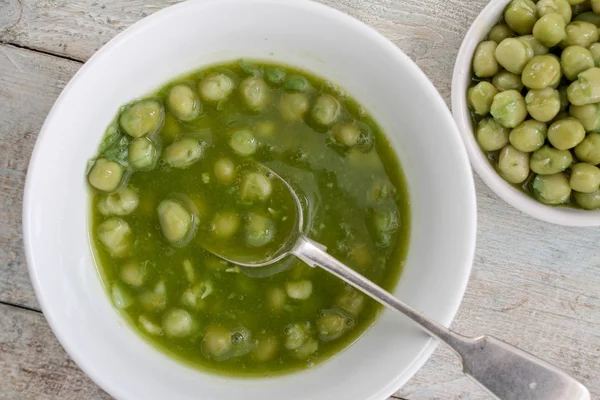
<point x="29" y="84"/>
<point x="33" y="365"/>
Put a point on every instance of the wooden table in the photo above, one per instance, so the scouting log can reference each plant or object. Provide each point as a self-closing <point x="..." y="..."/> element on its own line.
<point x="534" y="284"/>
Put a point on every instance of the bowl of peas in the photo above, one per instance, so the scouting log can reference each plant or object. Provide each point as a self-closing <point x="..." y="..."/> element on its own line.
<point x="526" y="97"/>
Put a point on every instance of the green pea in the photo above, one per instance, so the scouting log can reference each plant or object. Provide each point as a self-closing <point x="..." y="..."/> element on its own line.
<point x="561" y="7"/>
<point x="177" y="323"/>
<point x="481" y="96"/>
<point x="548" y="160"/>
<point x="509" y="108"/>
<point x="520" y="16"/>
<point x="574" y="60"/>
<point x="348" y="133"/>
<point x="296" y="83"/>
<point x="225" y="170"/>
<point x="491" y="136"/>
<point x="588" y="201"/>
<point x="176" y="222"/>
<point x="215" y="87"/>
<point x="243" y="142"/>
<point x="585" y="178"/>
<point x="184" y="102"/>
<point x="589" y="148"/>
<point x="580" y="33"/>
<point x="513" y="164"/>
<point x="505" y="80"/>
<point x="595" y="52"/>
<point x="590" y="17"/>
<point x="142" y="154"/>
<point x="513" y="54"/>
<point x="275" y="75"/>
<point x="133" y="273"/>
<point x="500" y="32"/>
<point x="260" y="230"/>
<point x="588" y="115"/>
<point x="254" y="92"/>
<point x="566" y="133"/>
<point x="299" y="290"/>
<point x="551" y="189"/>
<point x="255" y="186"/>
<point x="484" y="60"/>
<point x="529" y="136"/>
<point x="538" y="48"/>
<point x="586" y="89"/>
<point x="266" y="348"/>
<point x="122" y="202"/>
<point x="544" y="104"/>
<point x="332" y="324"/>
<point x="115" y="234"/>
<point x="293" y="106"/>
<point x="142" y="118"/>
<point x="326" y="110"/>
<point x="183" y="152"/>
<point x="541" y="72"/>
<point x="549" y="30"/>
<point x="105" y="175"/>
<point x="225" y="224"/>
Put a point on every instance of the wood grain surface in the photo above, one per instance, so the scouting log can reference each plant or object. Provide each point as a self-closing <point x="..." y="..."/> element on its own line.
<point x="534" y="284"/>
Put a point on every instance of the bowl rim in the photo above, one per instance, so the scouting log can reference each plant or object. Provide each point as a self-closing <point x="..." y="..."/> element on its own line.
<point x="559" y="215"/>
<point x="28" y="223"/>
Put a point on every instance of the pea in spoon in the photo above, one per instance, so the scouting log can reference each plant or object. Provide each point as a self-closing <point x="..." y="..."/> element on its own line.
<point x="505" y="371"/>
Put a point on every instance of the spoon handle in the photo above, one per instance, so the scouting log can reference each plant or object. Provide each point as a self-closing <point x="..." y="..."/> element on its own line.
<point x="506" y="372"/>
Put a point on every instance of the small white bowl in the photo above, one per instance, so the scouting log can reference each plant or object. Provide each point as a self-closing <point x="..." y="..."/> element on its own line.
<point x="460" y="109"/>
<point x="186" y="37"/>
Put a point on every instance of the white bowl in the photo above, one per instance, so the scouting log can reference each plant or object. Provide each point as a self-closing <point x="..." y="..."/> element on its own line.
<point x="460" y="83"/>
<point x="198" y="33"/>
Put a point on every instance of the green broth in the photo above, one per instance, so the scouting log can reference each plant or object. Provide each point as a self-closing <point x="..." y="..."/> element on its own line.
<point x="243" y="321"/>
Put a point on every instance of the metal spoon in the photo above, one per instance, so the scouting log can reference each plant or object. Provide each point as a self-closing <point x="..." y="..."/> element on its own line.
<point x="506" y="372"/>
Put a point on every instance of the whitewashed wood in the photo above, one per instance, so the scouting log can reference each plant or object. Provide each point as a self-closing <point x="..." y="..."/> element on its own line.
<point x="534" y="284"/>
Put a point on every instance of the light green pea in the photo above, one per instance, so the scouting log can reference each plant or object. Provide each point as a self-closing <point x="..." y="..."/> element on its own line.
<point x="142" y="118"/>
<point x="586" y="89"/>
<point x="225" y="224"/>
<point x="243" y="142"/>
<point x="183" y="102"/>
<point x="585" y="178"/>
<point x="105" y="175"/>
<point x="121" y="297"/>
<point x="561" y="7"/>
<point x="293" y="106"/>
<point x="491" y="136"/>
<point x="513" y="54"/>
<point x="177" y="323"/>
<point x="351" y="301"/>
<point x="332" y="324"/>
<point x="549" y="30"/>
<point x="484" y="59"/>
<point x="183" y="152"/>
<point x="225" y="170"/>
<point x="115" y="234"/>
<point x="548" y="160"/>
<point x="255" y="186"/>
<point x="541" y="72"/>
<point x="520" y="16"/>
<point x="216" y="343"/>
<point x="296" y="335"/>
<point x="505" y="80"/>
<point x="133" y="273"/>
<point x="574" y="60"/>
<point x="529" y="136"/>
<point x="595" y="52"/>
<point x="566" y="133"/>
<point x="215" y="87"/>
<point x="500" y="32"/>
<point x="544" y="104"/>
<point x="122" y="202"/>
<point x="176" y="222"/>
<point x="588" y="201"/>
<point x="590" y="17"/>
<point x="588" y="115"/>
<point x="538" y="48"/>
<point x="254" y="92"/>
<point x="589" y="149"/>
<point x="266" y="348"/>
<point x="580" y="33"/>
<point x="480" y="97"/>
<point x="513" y="164"/>
<point x="551" y="189"/>
<point x="509" y="108"/>
<point x="348" y="133"/>
<point x="299" y="290"/>
<point x="326" y="110"/>
<point x="260" y="230"/>
<point x="142" y="154"/>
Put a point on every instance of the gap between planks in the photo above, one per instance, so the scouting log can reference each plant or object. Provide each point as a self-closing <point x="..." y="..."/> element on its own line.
<point x="9" y="304"/>
<point x="48" y="53"/>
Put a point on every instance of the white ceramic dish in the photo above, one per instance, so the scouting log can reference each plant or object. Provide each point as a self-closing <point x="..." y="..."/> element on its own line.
<point x="460" y="83"/>
<point x="183" y="38"/>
